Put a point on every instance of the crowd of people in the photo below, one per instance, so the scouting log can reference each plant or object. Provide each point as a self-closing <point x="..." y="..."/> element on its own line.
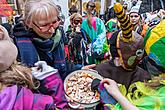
<point x="40" y="50"/>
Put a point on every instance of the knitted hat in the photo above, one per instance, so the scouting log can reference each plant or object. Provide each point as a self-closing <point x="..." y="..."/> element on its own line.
<point x="136" y="8"/>
<point x="8" y="51"/>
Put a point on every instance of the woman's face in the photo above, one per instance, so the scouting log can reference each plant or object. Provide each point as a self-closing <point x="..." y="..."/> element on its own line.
<point x="134" y="18"/>
<point x="77" y="22"/>
<point x="91" y="8"/>
<point x="45" y="24"/>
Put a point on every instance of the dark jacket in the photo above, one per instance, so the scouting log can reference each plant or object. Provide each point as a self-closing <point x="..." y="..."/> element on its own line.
<point x="120" y="75"/>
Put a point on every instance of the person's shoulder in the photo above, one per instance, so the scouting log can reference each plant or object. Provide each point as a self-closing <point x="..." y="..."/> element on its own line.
<point x="142" y="73"/>
<point x="84" y="20"/>
<point x="98" y="19"/>
<point x="103" y="65"/>
<point x="20" y="29"/>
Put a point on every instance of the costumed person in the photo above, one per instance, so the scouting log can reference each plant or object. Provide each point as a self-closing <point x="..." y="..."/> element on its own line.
<point x="127" y="49"/>
<point x="17" y="85"/>
<point x="38" y="36"/>
<point x="138" y="24"/>
<point x="95" y="29"/>
<point x="154" y="19"/>
<point x="111" y="26"/>
<point x="140" y="96"/>
<point x="73" y="9"/>
<point x="148" y="95"/>
<point x="77" y="41"/>
<point x="154" y="62"/>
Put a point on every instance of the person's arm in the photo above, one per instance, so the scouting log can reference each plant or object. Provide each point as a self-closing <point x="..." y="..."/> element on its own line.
<point x="112" y="89"/>
<point x="52" y="84"/>
<point x="100" y="40"/>
<point x="126" y="105"/>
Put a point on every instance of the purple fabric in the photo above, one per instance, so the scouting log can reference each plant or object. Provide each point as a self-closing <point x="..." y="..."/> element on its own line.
<point x="56" y="98"/>
<point x="25" y="99"/>
<point x="105" y="97"/>
<point x="7" y="98"/>
<point x="107" y="108"/>
<point x="55" y="86"/>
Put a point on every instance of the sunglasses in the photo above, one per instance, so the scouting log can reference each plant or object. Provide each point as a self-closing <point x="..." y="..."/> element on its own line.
<point x="92" y="6"/>
<point x="135" y="16"/>
<point x="76" y="22"/>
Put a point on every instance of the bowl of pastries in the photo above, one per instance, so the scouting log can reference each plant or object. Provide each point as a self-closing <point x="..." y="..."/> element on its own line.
<point x="77" y="86"/>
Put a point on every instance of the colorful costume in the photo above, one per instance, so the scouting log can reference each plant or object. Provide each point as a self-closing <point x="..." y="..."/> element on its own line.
<point x="77" y="41"/>
<point x="155" y="49"/>
<point x="128" y="47"/>
<point x="143" y="97"/>
<point x="129" y="44"/>
<point x="137" y="93"/>
<point x="77" y="46"/>
<point x="97" y="34"/>
<point x="111" y="26"/>
<point x="21" y="98"/>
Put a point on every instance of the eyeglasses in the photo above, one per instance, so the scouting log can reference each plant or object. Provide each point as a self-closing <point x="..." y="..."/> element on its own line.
<point x="76" y="22"/>
<point x="135" y="16"/>
<point x="46" y="27"/>
<point x="91" y="6"/>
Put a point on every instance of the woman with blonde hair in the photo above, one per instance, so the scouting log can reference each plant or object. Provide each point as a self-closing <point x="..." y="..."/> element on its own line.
<point x="95" y="29"/>
<point x="17" y="84"/>
<point x="39" y="37"/>
<point x="76" y="41"/>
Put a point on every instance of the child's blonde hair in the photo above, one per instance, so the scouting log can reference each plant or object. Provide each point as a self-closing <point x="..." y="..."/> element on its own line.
<point x="35" y="9"/>
<point x="19" y="75"/>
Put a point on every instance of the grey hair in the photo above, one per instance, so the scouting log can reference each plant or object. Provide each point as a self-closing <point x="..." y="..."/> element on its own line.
<point x="33" y="8"/>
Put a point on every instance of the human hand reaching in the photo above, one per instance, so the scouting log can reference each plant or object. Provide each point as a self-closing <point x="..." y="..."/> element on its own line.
<point x="42" y="70"/>
<point x="111" y="87"/>
<point x="113" y="90"/>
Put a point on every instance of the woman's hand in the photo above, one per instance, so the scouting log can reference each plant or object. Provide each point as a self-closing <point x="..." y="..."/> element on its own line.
<point x="42" y="70"/>
<point x="111" y="87"/>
